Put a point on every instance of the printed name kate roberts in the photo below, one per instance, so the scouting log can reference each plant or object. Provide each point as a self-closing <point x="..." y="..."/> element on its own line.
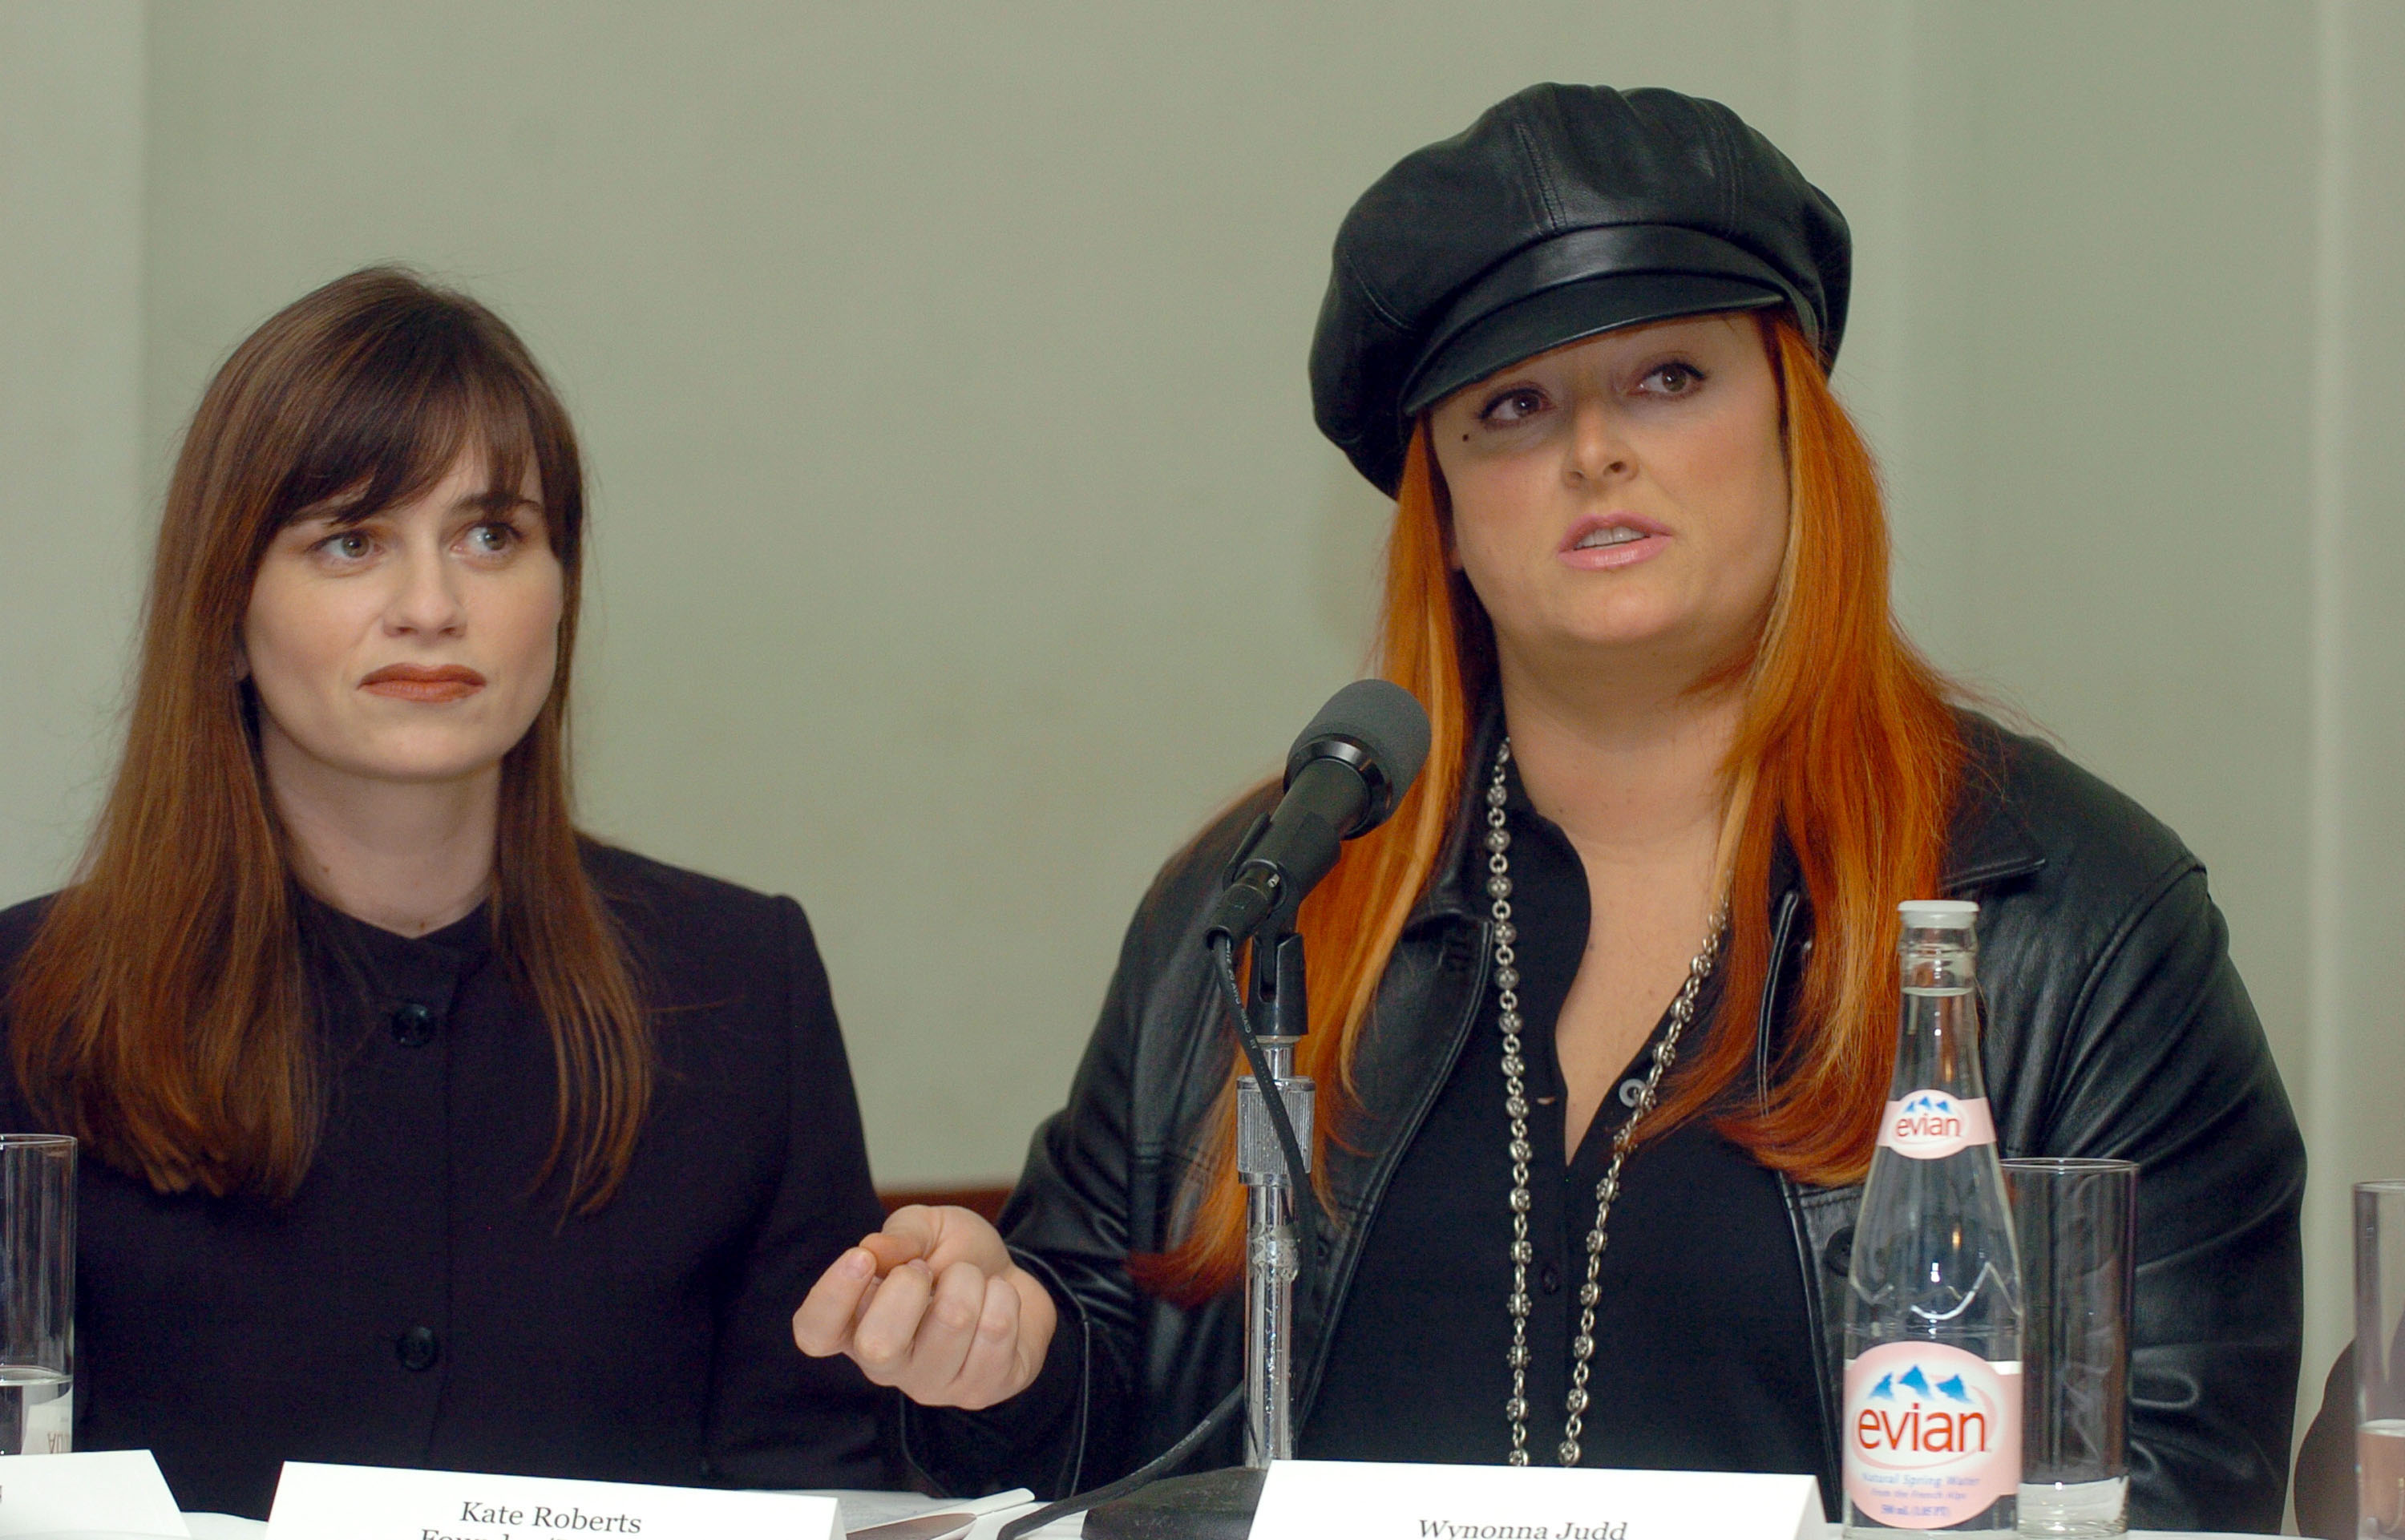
<point x="546" y="1520"/>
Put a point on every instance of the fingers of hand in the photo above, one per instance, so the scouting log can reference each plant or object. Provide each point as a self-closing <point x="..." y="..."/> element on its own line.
<point x="946" y="1332"/>
<point x="914" y="1308"/>
<point x="994" y="1369"/>
<point x="822" y="1326"/>
<point x="885" y="1332"/>
<point x="958" y="1339"/>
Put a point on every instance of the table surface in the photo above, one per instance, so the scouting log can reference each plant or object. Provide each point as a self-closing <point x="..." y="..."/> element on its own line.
<point x="864" y="1509"/>
<point x="860" y="1510"/>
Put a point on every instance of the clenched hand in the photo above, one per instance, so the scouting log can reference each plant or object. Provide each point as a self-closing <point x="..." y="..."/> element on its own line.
<point x="932" y="1304"/>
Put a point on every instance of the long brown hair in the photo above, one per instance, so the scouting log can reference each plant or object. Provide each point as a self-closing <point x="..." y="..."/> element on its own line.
<point x="161" y="1013"/>
<point x="1848" y="749"/>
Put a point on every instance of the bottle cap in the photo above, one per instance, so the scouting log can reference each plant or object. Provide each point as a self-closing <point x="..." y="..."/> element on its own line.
<point x="1939" y="913"/>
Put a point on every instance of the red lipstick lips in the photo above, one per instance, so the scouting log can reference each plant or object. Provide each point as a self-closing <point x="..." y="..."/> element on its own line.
<point x="415" y="682"/>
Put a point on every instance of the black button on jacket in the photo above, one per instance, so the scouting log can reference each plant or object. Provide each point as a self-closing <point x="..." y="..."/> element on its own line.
<point x="415" y="1305"/>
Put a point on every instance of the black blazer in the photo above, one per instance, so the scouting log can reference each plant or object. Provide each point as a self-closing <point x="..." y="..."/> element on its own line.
<point x="416" y="1304"/>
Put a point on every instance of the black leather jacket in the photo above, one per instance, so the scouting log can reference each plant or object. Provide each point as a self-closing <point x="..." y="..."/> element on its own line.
<point x="2116" y="1026"/>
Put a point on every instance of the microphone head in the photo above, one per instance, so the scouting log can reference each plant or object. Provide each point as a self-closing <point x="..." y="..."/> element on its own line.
<point x="1380" y="729"/>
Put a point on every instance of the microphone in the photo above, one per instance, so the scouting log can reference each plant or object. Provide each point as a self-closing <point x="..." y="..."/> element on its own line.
<point x="1343" y="777"/>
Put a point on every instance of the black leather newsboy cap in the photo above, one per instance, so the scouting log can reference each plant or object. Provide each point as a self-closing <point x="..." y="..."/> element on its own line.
<point x="1563" y="212"/>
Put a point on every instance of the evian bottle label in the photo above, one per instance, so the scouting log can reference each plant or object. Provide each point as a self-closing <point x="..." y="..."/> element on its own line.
<point x="1931" y="1125"/>
<point x="1932" y="1433"/>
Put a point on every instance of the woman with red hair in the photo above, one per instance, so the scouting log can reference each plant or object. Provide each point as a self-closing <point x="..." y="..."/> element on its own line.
<point x="418" y="1128"/>
<point x="1606" y="1010"/>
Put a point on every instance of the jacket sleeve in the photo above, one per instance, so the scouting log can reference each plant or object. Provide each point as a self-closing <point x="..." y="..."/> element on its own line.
<point x="778" y="1419"/>
<point x="2163" y="1061"/>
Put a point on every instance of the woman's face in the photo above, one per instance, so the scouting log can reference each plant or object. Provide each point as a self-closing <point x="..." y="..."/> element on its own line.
<point x="417" y="644"/>
<point x="1626" y="494"/>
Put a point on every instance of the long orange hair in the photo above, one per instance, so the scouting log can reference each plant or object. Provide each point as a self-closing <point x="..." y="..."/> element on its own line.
<point x="1847" y="749"/>
<point x="161" y="1013"/>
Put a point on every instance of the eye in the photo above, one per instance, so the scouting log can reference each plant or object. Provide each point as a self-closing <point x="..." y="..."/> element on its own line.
<point x="1674" y="378"/>
<point x="494" y="537"/>
<point x="344" y="546"/>
<point x="1517" y="404"/>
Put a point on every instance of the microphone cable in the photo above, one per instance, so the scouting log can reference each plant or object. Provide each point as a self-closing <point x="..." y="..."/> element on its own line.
<point x="1307" y="1210"/>
<point x="1142" y="1477"/>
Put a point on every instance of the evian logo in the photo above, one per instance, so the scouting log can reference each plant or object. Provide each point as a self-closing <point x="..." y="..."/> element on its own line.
<point x="1932" y="1433"/>
<point x="1931" y="1125"/>
<point x="1929" y="1116"/>
<point x="1942" y="1418"/>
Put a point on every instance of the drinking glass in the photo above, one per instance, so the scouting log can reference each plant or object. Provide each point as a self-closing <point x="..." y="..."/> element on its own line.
<point x="2075" y="1221"/>
<point x="37" y="1255"/>
<point x="2380" y="1358"/>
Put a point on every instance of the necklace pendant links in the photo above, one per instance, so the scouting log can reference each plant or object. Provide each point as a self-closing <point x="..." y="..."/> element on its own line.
<point x="1515" y="1106"/>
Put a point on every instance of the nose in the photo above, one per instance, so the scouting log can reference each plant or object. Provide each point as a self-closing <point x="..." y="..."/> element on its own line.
<point x="1599" y="452"/>
<point x="426" y="600"/>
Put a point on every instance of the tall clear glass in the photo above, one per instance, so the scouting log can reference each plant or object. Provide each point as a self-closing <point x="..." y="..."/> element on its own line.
<point x="2379" y="1359"/>
<point x="37" y="1256"/>
<point x="2076" y="1222"/>
<point x="1932" y="1426"/>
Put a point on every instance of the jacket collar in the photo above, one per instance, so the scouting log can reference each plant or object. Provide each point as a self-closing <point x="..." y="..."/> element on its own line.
<point x="1988" y="843"/>
<point x="358" y="966"/>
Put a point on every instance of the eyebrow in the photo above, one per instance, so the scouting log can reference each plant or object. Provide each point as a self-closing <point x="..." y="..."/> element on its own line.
<point x="495" y="500"/>
<point x="343" y="509"/>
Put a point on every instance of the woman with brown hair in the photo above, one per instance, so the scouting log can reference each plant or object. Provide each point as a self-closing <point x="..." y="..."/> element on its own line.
<point x="1683" y="768"/>
<point x="419" y="1128"/>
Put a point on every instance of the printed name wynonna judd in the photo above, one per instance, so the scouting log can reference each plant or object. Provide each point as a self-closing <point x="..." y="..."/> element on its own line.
<point x="1446" y="1528"/>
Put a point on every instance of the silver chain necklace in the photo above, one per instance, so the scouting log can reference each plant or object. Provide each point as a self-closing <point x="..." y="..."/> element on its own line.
<point x="1516" y="1103"/>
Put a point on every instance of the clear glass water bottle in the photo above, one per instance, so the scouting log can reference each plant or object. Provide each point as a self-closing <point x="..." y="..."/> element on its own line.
<point x="1933" y="1417"/>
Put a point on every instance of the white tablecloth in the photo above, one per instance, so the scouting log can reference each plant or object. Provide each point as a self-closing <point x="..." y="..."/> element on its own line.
<point x="860" y="1510"/>
<point x="864" y="1509"/>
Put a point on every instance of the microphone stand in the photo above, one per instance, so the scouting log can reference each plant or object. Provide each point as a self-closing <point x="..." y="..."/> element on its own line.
<point x="1272" y="1158"/>
<point x="1273" y="1246"/>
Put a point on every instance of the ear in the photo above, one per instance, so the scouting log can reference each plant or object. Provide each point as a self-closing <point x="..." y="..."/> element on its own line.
<point x="241" y="659"/>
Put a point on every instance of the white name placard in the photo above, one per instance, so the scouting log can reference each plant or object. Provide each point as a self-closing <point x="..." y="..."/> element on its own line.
<point x="369" y="1502"/>
<point x="117" y="1491"/>
<point x="1311" y="1499"/>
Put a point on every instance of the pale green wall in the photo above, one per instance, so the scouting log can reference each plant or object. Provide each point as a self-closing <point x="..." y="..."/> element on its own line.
<point x="71" y="436"/>
<point x="962" y="537"/>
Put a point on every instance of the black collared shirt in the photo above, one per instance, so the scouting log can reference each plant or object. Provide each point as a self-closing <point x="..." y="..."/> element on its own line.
<point x="416" y="1303"/>
<point x="1703" y="1350"/>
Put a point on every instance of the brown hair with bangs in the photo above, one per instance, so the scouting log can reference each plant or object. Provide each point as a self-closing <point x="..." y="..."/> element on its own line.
<point x="160" y="1013"/>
